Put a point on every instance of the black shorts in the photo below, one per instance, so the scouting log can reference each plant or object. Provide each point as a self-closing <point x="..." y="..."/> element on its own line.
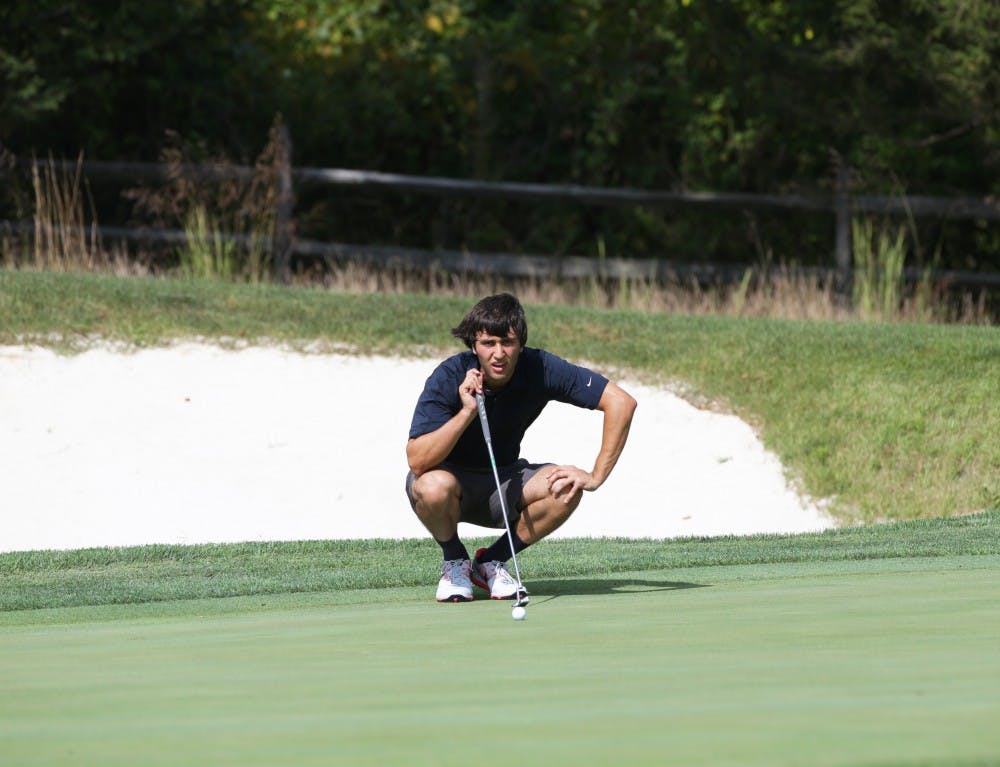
<point x="480" y="503"/>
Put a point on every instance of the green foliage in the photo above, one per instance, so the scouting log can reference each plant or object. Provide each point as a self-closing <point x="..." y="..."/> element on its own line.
<point x="734" y="96"/>
<point x="211" y="212"/>
<point x="111" y="78"/>
<point x="879" y="254"/>
<point x="26" y="95"/>
<point x="206" y="255"/>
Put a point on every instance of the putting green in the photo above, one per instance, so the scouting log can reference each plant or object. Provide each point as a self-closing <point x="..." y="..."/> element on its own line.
<point x="859" y="663"/>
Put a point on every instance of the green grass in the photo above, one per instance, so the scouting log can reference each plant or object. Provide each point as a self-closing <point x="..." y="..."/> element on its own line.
<point x="872" y="645"/>
<point x="867" y="645"/>
<point x="847" y="662"/>
<point x="92" y="577"/>
<point x="891" y="421"/>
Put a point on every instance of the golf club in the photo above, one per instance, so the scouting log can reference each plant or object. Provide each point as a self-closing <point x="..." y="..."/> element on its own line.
<point x="522" y="593"/>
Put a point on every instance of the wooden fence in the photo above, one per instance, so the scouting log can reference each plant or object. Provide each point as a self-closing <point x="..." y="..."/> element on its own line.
<point x="842" y="204"/>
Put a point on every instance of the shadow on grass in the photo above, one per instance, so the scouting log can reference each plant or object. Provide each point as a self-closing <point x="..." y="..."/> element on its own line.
<point x="551" y="589"/>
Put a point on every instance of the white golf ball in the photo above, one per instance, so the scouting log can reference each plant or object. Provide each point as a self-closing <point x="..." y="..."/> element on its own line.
<point x="518" y="613"/>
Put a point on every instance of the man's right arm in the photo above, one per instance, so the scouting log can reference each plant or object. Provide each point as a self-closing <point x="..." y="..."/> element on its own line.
<point x="425" y="452"/>
<point x="428" y="450"/>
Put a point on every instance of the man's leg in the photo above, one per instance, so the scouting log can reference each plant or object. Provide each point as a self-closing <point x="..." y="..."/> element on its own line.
<point x="541" y="514"/>
<point x="436" y="499"/>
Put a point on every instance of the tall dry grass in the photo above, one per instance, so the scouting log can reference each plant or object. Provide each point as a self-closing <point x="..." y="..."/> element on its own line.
<point x="206" y="208"/>
<point x="785" y="292"/>
<point x="65" y="237"/>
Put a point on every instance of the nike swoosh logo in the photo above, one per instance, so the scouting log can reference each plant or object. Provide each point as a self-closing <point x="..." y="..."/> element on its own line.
<point x="589" y="380"/>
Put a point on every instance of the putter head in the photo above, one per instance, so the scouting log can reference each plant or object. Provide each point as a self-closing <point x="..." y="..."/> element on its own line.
<point x="523" y="600"/>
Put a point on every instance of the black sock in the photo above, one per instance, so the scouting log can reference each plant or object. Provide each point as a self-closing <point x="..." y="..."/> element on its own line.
<point x="500" y="550"/>
<point x="454" y="548"/>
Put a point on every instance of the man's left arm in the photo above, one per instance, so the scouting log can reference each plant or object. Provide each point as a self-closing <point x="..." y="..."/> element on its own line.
<point x="618" y="407"/>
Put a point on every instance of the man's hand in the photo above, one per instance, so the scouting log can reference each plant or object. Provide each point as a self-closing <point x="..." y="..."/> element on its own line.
<point x="469" y="388"/>
<point x="568" y="482"/>
<point x="425" y="452"/>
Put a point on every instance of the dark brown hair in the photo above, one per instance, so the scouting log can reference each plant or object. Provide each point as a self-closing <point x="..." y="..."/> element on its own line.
<point x="496" y="316"/>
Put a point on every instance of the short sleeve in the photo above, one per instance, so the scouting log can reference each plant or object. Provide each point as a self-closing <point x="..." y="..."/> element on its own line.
<point x="573" y="384"/>
<point x="439" y="400"/>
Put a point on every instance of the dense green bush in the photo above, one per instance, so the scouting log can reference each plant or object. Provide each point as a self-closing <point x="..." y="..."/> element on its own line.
<point x="733" y="96"/>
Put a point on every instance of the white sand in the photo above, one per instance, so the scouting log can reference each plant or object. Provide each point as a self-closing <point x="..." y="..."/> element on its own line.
<point x="198" y="444"/>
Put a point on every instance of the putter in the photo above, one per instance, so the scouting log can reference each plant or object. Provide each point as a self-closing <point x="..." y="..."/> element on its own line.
<point x="522" y="593"/>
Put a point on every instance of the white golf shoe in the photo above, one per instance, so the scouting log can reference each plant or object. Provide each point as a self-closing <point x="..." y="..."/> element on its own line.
<point x="494" y="577"/>
<point x="455" y="584"/>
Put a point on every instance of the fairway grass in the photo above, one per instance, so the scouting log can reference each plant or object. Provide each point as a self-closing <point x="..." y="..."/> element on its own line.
<point x="856" y="662"/>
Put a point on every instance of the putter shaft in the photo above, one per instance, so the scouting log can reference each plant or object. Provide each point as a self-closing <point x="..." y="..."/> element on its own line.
<point x="522" y="595"/>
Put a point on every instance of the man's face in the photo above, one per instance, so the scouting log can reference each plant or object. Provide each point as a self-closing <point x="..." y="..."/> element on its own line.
<point x="497" y="357"/>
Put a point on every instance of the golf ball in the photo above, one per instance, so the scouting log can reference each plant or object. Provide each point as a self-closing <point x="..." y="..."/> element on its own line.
<point x="518" y="613"/>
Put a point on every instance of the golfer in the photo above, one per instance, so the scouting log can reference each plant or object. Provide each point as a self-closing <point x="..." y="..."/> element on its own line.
<point x="451" y="478"/>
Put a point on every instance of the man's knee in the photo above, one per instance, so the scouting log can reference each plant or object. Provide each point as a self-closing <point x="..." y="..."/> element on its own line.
<point x="567" y="506"/>
<point x="575" y="502"/>
<point x="434" y="490"/>
<point x="537" y="491"/>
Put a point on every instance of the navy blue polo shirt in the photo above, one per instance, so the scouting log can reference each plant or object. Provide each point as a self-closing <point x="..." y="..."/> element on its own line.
<point x="539" y="378"/>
